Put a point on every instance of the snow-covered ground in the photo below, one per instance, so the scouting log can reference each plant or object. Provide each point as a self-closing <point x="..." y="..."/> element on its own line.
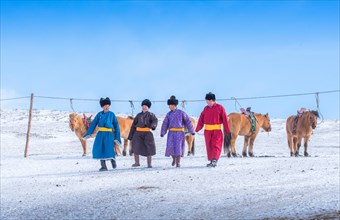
<point x="56" y="182"/>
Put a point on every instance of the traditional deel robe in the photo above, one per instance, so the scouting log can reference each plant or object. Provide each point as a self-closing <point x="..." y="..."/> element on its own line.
<point x="143" y="142"/>
<point x="103" y="146"/>
<point x="210" y="117"/>
<point x="175" y="145"/>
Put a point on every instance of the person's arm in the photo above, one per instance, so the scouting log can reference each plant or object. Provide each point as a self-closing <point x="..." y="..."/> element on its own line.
<point x="93" y="126"/>
<point x="165" y="126"/>
<point x="117" y="129"/>
<point x="154" y="121"/>
<point x="225" y="121"/>
<point x="133" y="127"/>
<point x="188" y="123"/>
<point x="200" y="123"/>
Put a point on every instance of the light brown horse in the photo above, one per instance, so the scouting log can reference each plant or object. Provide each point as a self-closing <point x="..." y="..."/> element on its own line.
<point x="80" y="125"/>
<point x="125" y="126"/>
<point x="304" y="128"/>
<point x="240" y="124"/>
<point x="190" y="139"/>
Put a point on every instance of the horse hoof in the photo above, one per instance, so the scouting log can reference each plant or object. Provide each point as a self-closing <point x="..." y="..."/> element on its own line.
<point x="251" y="154"/>
<point x="234" y="154"/>
<point x="130" y="153"/>
<point x="306" y="154"/>
<point x="228" y="155"/>
<point x="189" y="153"/>
<point x="291" y="154"/>
<point x="296" y="154"/>
<point x="244" y="154"/>
<point x="84" y="155"/>
<point x="124" y="153"/>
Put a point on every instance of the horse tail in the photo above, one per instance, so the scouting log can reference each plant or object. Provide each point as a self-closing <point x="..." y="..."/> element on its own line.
<point x="227" y="141"/>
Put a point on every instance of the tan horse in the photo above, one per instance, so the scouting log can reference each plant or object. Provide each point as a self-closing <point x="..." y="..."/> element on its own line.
<point x="78" y="125"/>
<point x="304" y="128"/>
<point x="125" y="126"/>
<point x="240" y="124"/>
<point x="190" y="139"/>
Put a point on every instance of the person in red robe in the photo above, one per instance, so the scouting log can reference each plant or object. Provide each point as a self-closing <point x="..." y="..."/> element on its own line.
<point x="212" y="117"/>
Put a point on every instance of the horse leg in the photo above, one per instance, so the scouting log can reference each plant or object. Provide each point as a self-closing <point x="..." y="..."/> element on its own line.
<point x="291" y="144"/>
<point x="125" y="146"/>
<point x="83" y="144"/>
<point x="232" y="143"/>
<point x="245" y="145"/>
<point x="187" y="139"/>
<point x="251" y="144"/>
<point x="306" y="139"/>
<point x="297" y="142"/>
<point x="130" y="148"/>
<point x="191" y="145"/>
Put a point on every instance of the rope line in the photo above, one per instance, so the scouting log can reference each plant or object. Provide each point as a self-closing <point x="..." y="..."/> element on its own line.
<point x="25" y="97"/>
<point x="197" y="100"/>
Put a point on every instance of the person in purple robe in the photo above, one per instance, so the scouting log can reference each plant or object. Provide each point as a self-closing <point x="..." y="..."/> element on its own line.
<point x="175" y="121"/>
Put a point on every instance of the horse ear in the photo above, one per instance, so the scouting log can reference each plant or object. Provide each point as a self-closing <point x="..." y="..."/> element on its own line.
<point x="90" y="117"/>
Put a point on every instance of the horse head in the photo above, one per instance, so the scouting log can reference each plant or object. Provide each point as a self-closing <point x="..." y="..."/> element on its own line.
<point x="75" y="121"/>
<point x="313" y="118"/>
<point x="266" y="123"/>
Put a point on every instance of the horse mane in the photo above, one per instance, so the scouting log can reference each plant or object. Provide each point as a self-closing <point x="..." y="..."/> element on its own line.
<point x="316" y="113"/>
<point x="131" y="117"/>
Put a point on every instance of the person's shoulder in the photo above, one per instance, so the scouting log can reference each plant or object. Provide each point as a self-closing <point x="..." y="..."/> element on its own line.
<point x="99" y="113"/>
<point x="219" y="105"/>
<point x="152" y="114"/>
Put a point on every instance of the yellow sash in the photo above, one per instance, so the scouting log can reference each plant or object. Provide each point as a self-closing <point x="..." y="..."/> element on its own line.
<point x="212" y="127"/>
<point x="142" y="129"/>
<point x="176" y="129"/>
<point x="105" y="129"/>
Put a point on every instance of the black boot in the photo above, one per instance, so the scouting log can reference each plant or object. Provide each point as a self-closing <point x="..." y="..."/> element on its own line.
<point x="178" y="161"/>
<point x="173" y="161"/>
<point x="113" y="162"/>
<point x="213" y="163"/>
<point x="103" y="164"/>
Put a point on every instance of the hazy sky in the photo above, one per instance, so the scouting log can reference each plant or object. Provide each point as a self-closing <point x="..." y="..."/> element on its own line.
<point x="131" y="50"/>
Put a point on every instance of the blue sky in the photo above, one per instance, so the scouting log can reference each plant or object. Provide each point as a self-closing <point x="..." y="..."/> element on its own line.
<point x="131" y="50"/>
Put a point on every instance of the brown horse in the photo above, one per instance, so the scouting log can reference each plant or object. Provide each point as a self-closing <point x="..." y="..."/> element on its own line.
<point x="304" y="128"/>
<point x="240" y="124"/>
<point x="80" y="125"/>
<point x="125" y="126"/>
<point x="190" y="139"/>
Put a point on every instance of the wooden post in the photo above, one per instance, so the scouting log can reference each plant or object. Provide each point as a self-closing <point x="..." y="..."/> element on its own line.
<point x="29" y="126"/>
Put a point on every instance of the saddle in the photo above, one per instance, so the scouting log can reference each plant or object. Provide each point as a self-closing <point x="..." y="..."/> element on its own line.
<point x="251" y="117"/>
<point x="296" y="119"/>
<point x="87" y="121"/>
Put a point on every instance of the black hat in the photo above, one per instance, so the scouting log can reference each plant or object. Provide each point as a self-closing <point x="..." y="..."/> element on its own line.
<point x="210" y="96"/>
<point x="146" y="102"/>
<point x="173" y="100"/>
<point x="105" y="101"/>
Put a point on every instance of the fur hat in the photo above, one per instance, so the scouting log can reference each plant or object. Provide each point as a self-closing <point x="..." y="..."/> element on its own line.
<point x="173" y="100"/>
<point x="210" y="96"/>
<point x="105" y="101"/>
<point x="146" y="102"/>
